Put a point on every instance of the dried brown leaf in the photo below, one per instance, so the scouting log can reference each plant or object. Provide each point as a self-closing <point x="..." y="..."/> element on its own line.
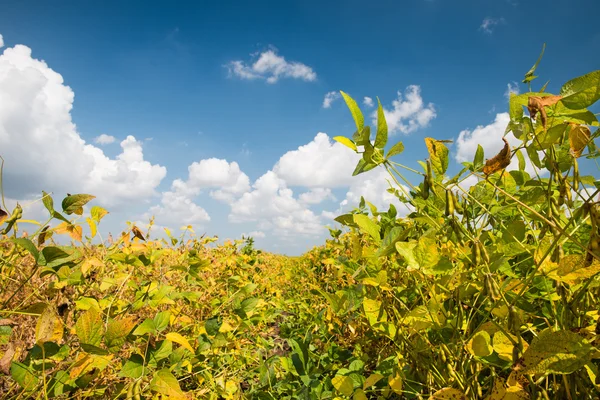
<point x="137" y="233"/>
<point x="499" y="161"/>
<point x="7" y="359"/>
<point x="3" y="216"/>
<point x="7" y="321"/>
<point x="536" y="104"/>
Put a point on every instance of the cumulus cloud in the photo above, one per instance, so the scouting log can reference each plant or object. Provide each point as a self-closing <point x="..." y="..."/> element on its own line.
<point x="368" y="102"/>
<point x="178" y="205"/>
<point x="41" y="145"/>
<point x="489" y="24"/>
<point x="1" y="41"/>
<point x="319" y="163"/>
<point x="408" y="112"/>
<point x="271" y="67"/>
<point x="330" y="97"/>
<point x="316" y="196"/>
<point x="255" y="234"/>
<point x="272" y="204"/>
<point x="104" y="139"/>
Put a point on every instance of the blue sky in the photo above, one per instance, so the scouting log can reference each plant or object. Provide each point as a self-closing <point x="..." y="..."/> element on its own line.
<point x="165" y="75"/>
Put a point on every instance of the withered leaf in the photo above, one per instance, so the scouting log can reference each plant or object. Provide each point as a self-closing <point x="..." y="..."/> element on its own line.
<point x="7" y="322"/>
<point x="75" y="231"/>
<point x="499" y="161"/>
<point x="3" y="216"/>
<point x="137" y="233"/>
<point x="579" y="137"/>
<point x="535" y="104"/>
<point x="7" y="359"/>
<point x="44" y="234"/>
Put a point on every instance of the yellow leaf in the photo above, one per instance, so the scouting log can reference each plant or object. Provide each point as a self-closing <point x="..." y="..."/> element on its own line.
<point x="579" y="137"/>
<point x="92" y="225"/>
<point x="49" y="327"/>
<point x="480" y="344"/>
<point x="371" y="380"/>
<point x="343" y="384"/>
<point x="572" y="269"/>
<point x="448" y="394"/>
<point x="359" y="395"/>
<point x="395" y="383"/>
<point x="177" y="338"/>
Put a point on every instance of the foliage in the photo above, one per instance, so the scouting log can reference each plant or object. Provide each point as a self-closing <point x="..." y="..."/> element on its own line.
<point x="488" y="291"/>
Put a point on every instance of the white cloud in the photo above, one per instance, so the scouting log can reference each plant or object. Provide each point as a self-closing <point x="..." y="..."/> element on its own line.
<point x="178" y="204"/>
<point x="271" y="67"/>
<point x="511" y="88"/>
<point x="316" y="196"/>
<point x="41" y="145"/>
<point x="329" y="214"/>
<point x="489" y="24"/>
<point x="488" y="136"/>
<point x="373" y="186"/>
<point x="320" y="163"/>
<point x="367" y="101"/>
<point x="104" y="139"/>
<point x="329" y="98"/>
<point x="255" y="234"/>
<point x="177" y="209"/>
<point x="272" y="204"/>
<point x="1" y="41"/>
<point x="408" y="114"/>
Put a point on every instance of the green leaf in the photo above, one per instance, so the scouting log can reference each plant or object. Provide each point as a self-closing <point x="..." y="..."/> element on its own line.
<point x="359" y="120"/>
<point x="343" y="384"/>
<point x="163" y="349"/>
<point x="27" y="245"/>
<point x="23" y="375"/>
<point x="145" y="327"/>
<point x="73" y="204"/>
<point x="581" y="92"/>
<point x="166" y="384"/>
<point x="367" y="226"/>
<point x="212" y="326"/>
<point x="438" y="153"/>
<point x="405" y="249"/>
<point x="521" y="159"/>
<point x="345" y="219"/>
<point x="480" y="344"/>
<point x="161" y="320"/>
<point x="561" y="352"/>
<point x="395" y="150"/>
<point x="249" y="304"/>
<point x="48" y="202"/>
<point x="89" y="327"/>
<point x="133" y="368"/>
<point x="478" y="160"/>
<point x="382" y="128"/>
<point x="363" y="166"/>
<point x="529" y="75"/>
<point x="345" y="141"/>
<point x="97" y="213"/>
